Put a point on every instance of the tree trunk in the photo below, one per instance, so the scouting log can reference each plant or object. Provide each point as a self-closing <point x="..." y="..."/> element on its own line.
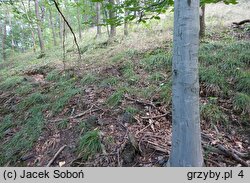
<point x="30" y="24"/>
<point x="39" y="29"/>
<point x="52" y="27"/>
<point x="112" y="16"/>
<point x="186" y="136"/>
<point x="11" y="34"/>
<point x="202" y="22"/>
<point x="4" y="38"/>
<point x="126" y="23"/>
<point x="106" y="17"/>
<point x="79" y="23"/>
<point x="98" y="18"/>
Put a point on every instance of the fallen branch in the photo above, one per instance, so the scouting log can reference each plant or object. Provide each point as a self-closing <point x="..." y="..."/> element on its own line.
<point x="55" y="156"/>
<point x="155" y="117"/>
<point x="211" y="161"/>
<point x="77" y="116"/>
<point x="233" y="155"/>
<point x="242" y="22"/>
<point x="140" y="102"/>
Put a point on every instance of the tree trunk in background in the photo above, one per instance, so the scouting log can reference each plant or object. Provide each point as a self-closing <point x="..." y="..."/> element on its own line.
<point x="98" y="19"/>
<point x="126" y="23"/>
<point x="186" y="134"/>
<point x="52" y="27"/>
<point x="30" y="24"/>
<point x="4" y="38"/>
<point x="106" y="17"/>
<point x="11" y="34"/>
<point x="79" y="23"/>
<point x="112" y="16"/>
<point x="60" y="27"/>
<point x="202" y="22"/>
<point x="39" y="29"/>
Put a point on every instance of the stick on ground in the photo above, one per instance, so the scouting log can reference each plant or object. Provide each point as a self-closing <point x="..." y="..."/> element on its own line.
<point x="55" y="156"/>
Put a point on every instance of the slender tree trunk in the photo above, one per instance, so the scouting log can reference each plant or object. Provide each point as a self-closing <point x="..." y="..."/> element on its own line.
<point x="106" y="17"/>
<point x="60" y="27"/>
<point x="98" y="19"/>
<point x="126" y="23"/>
<point x="34" y="40"/>
<point x="4" y="38"/>
<point x="202" y="22"/>
<point x="39" y="29"/>
<point x="11" y="33"/>
<point x="79" y="23"/>
<point x="112" y="16"/>
<point x="30" y="24"/>
<point x="186" y="135"/>
<point x="52" y="27"/>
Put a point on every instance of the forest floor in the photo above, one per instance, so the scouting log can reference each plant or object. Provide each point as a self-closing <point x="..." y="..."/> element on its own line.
<point x="113" y="107"/>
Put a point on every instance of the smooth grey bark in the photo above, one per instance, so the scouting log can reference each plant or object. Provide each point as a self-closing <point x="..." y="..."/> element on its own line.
<point x="39" y="29"/>
<point x="98" y="19"/>
<point x="186" y="137"/>
<point x="52" y="27"/>
<point x="112" y="16"/>
<point x="202" y="21"/>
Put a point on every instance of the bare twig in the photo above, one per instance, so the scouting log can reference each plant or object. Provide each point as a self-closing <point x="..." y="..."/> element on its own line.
<point x="211" y="161"/>
<point x="78" y="115"/>
<point x="233" y="155"/>
<point x="140" y="102"/>
<point x="155" y="117"/>
<point x="55" y="156"/>
<point x="58" y="9"/>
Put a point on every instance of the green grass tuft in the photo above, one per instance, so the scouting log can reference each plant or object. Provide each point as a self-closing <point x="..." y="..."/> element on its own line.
<point x="212" y="113"/>
<point x="241" y="102"/>
<point x="90" y="144"/>
<point x="89" y="79"/>
<point x="11" y="82"/>
<point x="31" y="100"/>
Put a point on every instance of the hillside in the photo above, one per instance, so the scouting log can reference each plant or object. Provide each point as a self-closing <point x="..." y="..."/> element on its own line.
<point x="113" y="107"/>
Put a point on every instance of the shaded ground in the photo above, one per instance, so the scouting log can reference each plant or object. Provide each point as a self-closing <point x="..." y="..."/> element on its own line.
<point x="127" y="98"/>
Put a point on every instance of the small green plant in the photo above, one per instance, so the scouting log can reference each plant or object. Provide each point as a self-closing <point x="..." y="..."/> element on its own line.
<point x="213" y="80"/>
<point x="89" y="79"/>
<point x="11" y="82"/>
<point x="6" y="124"/>
<point x="62" y="93"/>
<point x="132" y="110"/>
<point x="241" y="102"/>
<point x="157" y="76"/>
<point x="89" y="144"/>
<point x="31" y="100"/>
<point x="53" y="76"/>
<point x="109" y="81"/>
<point x="166" y="92"/>
<point x="117" y="57"/>
<point x="243" y="82"/>
<point x="22" y="140"/>
<point x="24" y="89"/>
<point x="160" y="61"/>
<point x="63" y="124"/>
<point x="115" y="98"/>
<point x="212" y="113"/>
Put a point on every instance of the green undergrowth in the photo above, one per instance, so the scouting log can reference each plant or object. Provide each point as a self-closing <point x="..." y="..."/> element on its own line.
<point x="224" y="73"/>
<point x="89" y="144"/>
